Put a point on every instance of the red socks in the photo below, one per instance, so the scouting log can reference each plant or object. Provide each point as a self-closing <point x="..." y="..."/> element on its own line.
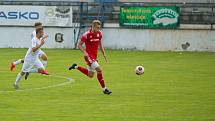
<point x="99" y="75"/>
<point x="83" y="70"/>
<point x="100" y="79"/>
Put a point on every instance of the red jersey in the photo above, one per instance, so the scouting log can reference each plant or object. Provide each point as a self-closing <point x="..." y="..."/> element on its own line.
<point x="92" y="41"/>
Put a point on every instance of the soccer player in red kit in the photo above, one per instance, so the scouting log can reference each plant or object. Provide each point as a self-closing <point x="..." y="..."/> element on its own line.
<point x="92" y="40"/>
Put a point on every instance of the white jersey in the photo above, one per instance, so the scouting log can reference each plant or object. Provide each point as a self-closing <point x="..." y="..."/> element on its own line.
<point x="33" y="34"/>
<point x="30" y="55"/>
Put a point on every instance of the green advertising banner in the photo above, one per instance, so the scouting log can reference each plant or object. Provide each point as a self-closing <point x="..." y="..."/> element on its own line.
<point x="149" y="17"/>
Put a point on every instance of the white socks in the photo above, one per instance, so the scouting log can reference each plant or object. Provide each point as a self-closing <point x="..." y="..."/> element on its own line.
<point x="17" y="62"/>
<point x="44" y="63"/>
<point x="34" y="70"/>
<point x="18" y="78"/>
<point x="103" y="89"/>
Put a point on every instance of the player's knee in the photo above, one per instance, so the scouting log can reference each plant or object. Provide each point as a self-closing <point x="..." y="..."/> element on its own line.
<point x="91" y="74"/>
<point x="22" y="73"/>
<point x="44" y="57"/>
<point x="99" y="70"/>
<point x="40" y="70"/>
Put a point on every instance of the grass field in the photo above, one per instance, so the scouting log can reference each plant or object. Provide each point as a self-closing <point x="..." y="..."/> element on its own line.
<point x="175" y="87"/>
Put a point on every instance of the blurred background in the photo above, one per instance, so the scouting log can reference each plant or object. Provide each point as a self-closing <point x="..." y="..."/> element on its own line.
<point x="65" y="21"/>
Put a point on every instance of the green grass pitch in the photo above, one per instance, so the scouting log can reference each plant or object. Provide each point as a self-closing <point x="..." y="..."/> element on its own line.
<point x="175" y="87"/>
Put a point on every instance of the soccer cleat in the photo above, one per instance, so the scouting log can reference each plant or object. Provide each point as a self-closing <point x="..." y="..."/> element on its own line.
<point x="45" y="72"/>
<point x="107" y="92"/>
<point x="73" y="66"/>
<point x="12" y="66"/>
<point x="16" y="86"/>
<point x="26" y="75"/>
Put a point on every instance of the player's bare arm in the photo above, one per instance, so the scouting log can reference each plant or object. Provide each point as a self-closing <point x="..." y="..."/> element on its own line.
<point x="81" y="48"/>
<point x="103" y="51"/>
<point x="45" y="37"/>
<point x="34" y="49"/>
<point x="42" y="41"/>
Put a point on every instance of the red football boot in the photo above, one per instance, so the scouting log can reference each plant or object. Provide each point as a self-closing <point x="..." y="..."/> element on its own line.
<point x="12" y="66"/>
<point x="45" y="72"/>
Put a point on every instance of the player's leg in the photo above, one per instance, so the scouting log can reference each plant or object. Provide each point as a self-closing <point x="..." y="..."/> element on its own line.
<point x="96" y="66"/>
<point x="25" y="68"/>
<point x="38" y="68"/>
<point x="39" y="64"/>
<point x="18" y="78"/>
<point x="91" y="72"/>
<point x="42" y="70"/>
<point x="83" y="70"/>
<point x="44" y="58"/>
<point x="34" y="69"/>
<point x="13" y="64"/>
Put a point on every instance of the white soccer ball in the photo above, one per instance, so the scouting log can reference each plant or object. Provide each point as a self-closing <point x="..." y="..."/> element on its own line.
<point x="139" y="70"/>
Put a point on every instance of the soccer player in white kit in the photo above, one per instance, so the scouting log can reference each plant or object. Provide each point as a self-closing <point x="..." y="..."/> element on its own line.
<point x="31" y="57"/>
<point x="41" y="54"/>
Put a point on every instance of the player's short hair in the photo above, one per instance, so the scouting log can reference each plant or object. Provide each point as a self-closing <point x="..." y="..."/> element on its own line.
<point x="37" y="24"/>
<point x="96" y="22"/>
<point x="39" y="30"/>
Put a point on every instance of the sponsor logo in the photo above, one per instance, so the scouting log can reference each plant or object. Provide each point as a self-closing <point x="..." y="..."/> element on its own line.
<point x="49" y="12"/>
<point x="94" y="40"/>
<point x="62" y="12"/>
<point x="165" y="17"/>
<point x="19" y="15"/>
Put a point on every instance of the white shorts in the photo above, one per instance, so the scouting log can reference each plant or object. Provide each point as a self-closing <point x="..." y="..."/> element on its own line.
<point x="28" y="65"/>
<point x="40" y="53"/>
<point x="38" y="64"/>
<point x="93" y="66"/>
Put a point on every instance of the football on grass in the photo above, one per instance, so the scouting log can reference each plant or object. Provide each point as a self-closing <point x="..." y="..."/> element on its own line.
<point x="139" y="70"/>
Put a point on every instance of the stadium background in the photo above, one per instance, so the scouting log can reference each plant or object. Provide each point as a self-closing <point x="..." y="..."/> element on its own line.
<point x="196" y="24"/>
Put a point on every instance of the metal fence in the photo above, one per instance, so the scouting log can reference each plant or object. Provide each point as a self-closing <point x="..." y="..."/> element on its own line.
<point x="108" y="12"/>
<point x="190" y="13"/>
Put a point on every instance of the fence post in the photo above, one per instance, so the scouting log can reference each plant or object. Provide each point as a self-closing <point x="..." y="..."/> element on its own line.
<point x="212" y="18"/>
<point x="81" y="15"/>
